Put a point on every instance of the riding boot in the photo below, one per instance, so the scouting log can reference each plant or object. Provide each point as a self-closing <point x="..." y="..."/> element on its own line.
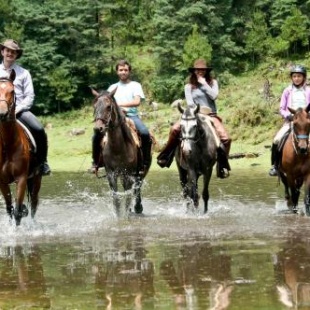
<point x="165" y="158"/>
<point x="223" y="165"/>
<point x="42" y="150"/>
<point x="96" y="151"/>
<point x="146" y="153"/>
<point x="274" y="160"/>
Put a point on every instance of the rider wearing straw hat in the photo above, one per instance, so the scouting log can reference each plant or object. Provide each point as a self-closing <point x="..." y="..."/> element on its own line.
<point x="24" y="92"/>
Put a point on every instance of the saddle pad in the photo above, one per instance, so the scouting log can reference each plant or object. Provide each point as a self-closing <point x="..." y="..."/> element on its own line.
<point x="29" y="135"/>
<point x="208" y="121"/>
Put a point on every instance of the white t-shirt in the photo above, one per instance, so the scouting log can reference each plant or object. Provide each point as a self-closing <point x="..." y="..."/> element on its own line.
<point x="125" y="93"/>
<point x="298" y="98"/>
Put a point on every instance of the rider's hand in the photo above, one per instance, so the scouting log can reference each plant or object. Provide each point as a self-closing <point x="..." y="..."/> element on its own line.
<point x="201" y="80"/>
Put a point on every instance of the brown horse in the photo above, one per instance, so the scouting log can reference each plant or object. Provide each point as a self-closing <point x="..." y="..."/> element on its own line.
<point x="295" y="163"/>
<point x="17" y="159"/>
<point x="119" y="151"/>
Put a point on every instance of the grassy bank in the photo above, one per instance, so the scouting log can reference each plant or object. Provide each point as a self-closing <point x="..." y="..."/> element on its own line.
<point x="251" y="119"/>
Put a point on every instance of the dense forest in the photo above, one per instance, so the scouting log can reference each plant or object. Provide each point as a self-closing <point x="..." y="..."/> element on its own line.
<point x="71" y="45"/>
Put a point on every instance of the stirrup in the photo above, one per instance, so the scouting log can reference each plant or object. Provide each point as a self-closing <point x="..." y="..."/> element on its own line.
<point x="45" y="169"/>
<point x="273" y="172"/>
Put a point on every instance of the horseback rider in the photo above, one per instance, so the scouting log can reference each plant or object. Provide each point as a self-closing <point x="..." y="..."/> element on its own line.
<point x="202" y="89"/>
<point x="296" y="95"/>
<point x="128" y="96"/>
<point x="24" y="94"/>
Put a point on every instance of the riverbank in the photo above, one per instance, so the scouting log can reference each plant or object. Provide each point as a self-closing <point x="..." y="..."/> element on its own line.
<point x="70" y="141"/>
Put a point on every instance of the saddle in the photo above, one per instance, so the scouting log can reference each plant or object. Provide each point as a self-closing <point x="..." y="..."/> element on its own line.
<point x="29" y="135"/>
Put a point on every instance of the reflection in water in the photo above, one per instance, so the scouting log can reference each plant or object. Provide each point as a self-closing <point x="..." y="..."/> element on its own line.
<point x="292" y="271"/>
<point x="126" y="277"/>
<point x="166" y="259"/>
<point x="22" y="282"/>
<point x="199" y="277"/>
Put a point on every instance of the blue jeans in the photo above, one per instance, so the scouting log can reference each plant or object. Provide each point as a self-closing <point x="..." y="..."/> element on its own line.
<point x="145" y="138"/>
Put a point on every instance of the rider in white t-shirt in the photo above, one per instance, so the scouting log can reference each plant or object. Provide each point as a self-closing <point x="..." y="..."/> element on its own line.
<point x="128" y="96"/>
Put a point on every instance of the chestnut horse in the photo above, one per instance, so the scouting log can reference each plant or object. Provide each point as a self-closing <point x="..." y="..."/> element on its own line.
<point x="17" y="158"/>
<point x="195" y="155"/>
<point x="294" y="167"/>
<point x="120" y="153"/>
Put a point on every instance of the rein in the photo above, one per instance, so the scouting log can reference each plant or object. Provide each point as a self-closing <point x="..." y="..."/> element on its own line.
<point x="10" y="105"/>
<point x="195" y="139"/>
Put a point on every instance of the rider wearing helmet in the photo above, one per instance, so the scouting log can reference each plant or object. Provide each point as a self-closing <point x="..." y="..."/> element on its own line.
<point x="296" y="95"/>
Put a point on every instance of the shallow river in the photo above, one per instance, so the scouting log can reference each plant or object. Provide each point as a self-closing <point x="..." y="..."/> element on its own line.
<point x="248" y="252"/>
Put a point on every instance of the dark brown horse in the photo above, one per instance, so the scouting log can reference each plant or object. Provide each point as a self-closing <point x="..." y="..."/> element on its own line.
<point x="295" y="163"/>
<point x="120" y="153"/>
<point x="196" y="154"/>
<point x="17" y="159"/>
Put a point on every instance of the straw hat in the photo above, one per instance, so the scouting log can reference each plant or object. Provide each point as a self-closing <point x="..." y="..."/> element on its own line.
<point x="12" y="45"/>
<point x="200" y="64"/>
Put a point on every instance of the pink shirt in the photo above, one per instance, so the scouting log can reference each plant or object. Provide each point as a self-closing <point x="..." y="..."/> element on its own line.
<point x="286" y="99"/>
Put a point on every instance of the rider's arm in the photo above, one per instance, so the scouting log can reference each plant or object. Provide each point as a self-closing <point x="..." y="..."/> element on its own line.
<point x="211" y="91"/>
<point x="188" y="94"/>
<point x="24" y="91"/>
<point x="284" y="103"/>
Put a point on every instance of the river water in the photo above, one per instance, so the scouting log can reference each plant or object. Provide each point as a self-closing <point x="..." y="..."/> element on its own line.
<point x="248" y="252"/>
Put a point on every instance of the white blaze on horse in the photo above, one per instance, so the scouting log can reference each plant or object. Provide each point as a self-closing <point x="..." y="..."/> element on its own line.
<point x="196" y="154"/>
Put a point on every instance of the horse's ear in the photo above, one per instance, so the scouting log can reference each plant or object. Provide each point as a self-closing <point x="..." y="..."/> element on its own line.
<point x="12" y="75"/>
<point x="197" y="108"/>
<point x="308" y="108"/>
<point x="291" y="110"/>
<point x="112" y="93"/>
<point x="180" y="107"/>
<point x="94" y="92"/>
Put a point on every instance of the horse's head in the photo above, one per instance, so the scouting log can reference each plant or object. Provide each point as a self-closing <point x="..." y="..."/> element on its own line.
<point x="301" y="128"/>
<point x="104" y="110"/>
<point x="7" y="97"/>
<point x="189" y="125"/>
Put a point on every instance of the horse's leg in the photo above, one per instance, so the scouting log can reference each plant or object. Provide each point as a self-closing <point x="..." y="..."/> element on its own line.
<point x="112" y="179"/>
<point x="192" y="185"/>
<point x="20" y="209"/>
<point x="7" y="195"/>
<point x="183" y="180"/>
<point x="127" y="185"/>
<point x="137" y="193"/>
<point x="205" y="192"/>
<point x="287" y="194"/>
<point x="34" y="185"/>
<point x="295" y="196"/>
<point x="307" y="196"/>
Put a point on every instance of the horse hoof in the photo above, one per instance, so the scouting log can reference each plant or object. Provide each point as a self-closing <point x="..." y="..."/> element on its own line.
<point x="138" y="210"/>
<point x="24" y="211"/>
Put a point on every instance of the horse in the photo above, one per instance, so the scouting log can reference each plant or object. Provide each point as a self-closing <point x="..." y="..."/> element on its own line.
<point x="17" y="158"/>
<point x="195" y="155"/>
<point x="294" y="168"/>
<point x="120" y="152"/>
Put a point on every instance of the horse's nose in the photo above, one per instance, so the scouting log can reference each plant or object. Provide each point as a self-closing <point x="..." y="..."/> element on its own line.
<point x="303" y="150"/>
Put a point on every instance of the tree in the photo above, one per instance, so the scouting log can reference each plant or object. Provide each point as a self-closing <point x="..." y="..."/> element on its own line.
<point x="196" y="46"/>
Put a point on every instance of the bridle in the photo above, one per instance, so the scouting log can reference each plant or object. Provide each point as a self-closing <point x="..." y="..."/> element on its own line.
<point x="297" y="138"/>
<point x="196" y="135"/>
<point x="10" y="105"/>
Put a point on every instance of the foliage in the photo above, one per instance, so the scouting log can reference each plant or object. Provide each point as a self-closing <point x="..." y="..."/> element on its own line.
<point x="69" y="45"/>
